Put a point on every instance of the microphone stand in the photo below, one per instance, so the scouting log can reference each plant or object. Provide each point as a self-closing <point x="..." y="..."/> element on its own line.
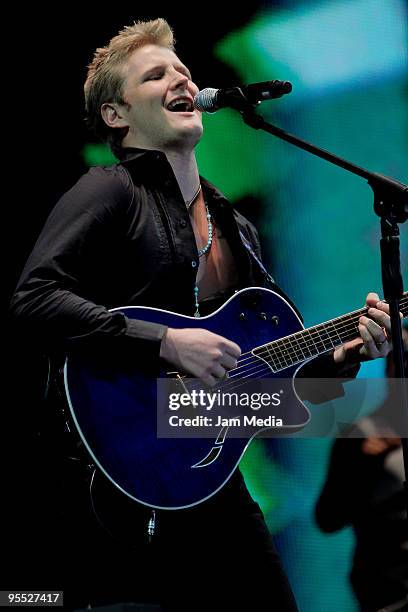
<point x="391" y="205"/>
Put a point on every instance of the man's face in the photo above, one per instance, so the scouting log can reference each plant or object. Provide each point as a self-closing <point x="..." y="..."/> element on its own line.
<point x="155" y="79"/>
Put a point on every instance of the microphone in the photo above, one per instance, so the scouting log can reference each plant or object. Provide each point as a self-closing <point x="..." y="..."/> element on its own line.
<point x="210" y="100"/>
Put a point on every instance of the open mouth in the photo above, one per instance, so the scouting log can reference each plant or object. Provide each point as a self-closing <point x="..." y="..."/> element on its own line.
<point x="181" y="105"/>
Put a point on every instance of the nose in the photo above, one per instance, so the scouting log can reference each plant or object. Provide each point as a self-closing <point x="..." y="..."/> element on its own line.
<point x="179" y="80"/>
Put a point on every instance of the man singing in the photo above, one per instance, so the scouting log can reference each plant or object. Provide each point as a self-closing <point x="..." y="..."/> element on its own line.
<point x="150" y="231"/>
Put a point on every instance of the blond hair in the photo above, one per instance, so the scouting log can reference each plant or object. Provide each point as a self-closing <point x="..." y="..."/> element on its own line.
<point x="105" y="77"/>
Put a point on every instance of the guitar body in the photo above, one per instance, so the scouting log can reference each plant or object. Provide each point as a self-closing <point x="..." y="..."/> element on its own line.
<point x="114" y="409"/>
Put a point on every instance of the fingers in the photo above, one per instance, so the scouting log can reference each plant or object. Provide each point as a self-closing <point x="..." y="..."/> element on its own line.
<point x="219" y="371"/>
<point x="200" y="352"/>
<point x="209" y="380"/>
<point x="381" y="305"/>
<point x="374" y="337"/>
<point x="228" y="362"/>
<point x="218" y="375"/>
<point x="377" y="331"/>
<point x="372" y="299"/>
<point x="350" y="347"/>
<point x="375" y="328"/>
<point x="228" y="354"/>
<point x="232" y="349"/>
<point x="381" y="317"/>
<point x="378" y="310"/>
<point x="221" y="357"/>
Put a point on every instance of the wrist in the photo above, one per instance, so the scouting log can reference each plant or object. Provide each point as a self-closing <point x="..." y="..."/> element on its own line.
<point x="339" y="355"/>
<point x="166" y="346"/>
<point x="349" y="354"/>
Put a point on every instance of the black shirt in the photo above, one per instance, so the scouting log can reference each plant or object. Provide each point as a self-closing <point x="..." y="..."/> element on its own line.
<point x="121" y="236"/>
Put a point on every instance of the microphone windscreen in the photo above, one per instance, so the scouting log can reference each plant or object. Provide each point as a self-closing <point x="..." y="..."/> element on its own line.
<point x="205" y="100"/>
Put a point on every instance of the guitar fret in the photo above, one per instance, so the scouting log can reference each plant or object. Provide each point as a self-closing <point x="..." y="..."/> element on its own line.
<point x="288" y="357"/>
<point x="329" y="339"/>
<point x="292" y="350"/>
<point x="311" y="349"/>
<point x="283" y="352"/>
<point x="351" y="330"/>
<point x="319" y="341"/>
<point x="293" y="340"/>
<point x="302" y="345"/>
<point x="271" y="357"/>
<point x="281" y="359"/>
<point x="297" y="349"/>
<point x="337" y="334"/>
<point x="312" y="342"/>
<point x="275" y="361"/>
<point x="309" y="341"/>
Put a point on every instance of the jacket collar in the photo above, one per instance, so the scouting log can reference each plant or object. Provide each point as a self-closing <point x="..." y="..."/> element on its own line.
<point x="134" y="153"/>
<point x="150" y="156"/>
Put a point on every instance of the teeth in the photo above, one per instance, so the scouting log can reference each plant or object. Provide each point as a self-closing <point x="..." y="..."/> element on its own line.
<point x="185" y="101"/>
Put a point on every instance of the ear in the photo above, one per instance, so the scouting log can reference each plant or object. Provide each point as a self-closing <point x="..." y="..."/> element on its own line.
<point x="113" y="115"/>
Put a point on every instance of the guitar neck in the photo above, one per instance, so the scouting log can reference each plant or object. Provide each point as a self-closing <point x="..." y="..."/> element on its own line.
<point x="316" y="340"/>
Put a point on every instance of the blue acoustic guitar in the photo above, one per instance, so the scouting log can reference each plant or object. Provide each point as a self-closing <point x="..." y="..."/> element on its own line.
<point x="114" y="409"/>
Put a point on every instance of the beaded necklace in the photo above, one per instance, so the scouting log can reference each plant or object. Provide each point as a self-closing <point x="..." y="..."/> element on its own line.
<point x="202" y="252"/>
<point x="205" y="249"/>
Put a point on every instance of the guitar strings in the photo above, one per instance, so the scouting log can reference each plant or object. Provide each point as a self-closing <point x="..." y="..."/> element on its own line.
<point x="297" y="349"/>
<point x="260" y="368"/>
<point x="259" y="365"/>
<point x="313" y="333"/>
<point x="282" y="360"/>
<point x="303" y="336"/>
<point x="349" y="324"/>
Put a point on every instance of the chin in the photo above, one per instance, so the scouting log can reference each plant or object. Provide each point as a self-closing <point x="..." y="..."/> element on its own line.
<point x="189" y="136"/>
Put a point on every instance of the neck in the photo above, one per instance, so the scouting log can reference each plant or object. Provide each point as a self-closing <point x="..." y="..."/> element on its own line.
<point x="185" y="169"/>
<point x="183" y="163"/>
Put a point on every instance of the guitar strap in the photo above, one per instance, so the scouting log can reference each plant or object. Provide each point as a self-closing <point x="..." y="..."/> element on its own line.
<point x="268" y="278"/>
<point x="270" y="281"/>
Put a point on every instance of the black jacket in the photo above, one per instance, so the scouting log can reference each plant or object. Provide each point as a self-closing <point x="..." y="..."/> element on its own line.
<point x="121" y="236"/>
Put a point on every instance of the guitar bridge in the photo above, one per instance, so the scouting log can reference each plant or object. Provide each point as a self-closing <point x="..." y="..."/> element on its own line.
<point x="178" y="378"/>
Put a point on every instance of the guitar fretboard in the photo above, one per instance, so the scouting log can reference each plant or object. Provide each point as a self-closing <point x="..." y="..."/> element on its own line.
<point x="314" y="341"/>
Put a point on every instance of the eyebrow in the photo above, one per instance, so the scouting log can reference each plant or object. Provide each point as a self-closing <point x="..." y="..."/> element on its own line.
<point x="179" y="67"/>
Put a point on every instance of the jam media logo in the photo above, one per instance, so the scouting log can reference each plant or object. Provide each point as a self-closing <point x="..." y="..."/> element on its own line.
<point x="204" y="412"/>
